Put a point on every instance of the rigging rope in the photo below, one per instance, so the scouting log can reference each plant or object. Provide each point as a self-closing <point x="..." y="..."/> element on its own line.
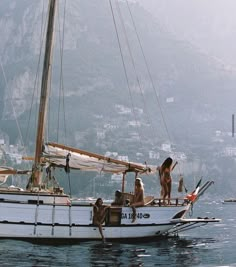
<point x="61" y="94"/>
<point x="13" y="108"/>
<point x="134" y="67"/>
<point x="14" y="112"/>
<point x="36" y="81"/>
<point x="124" y="66"/>
<point x="148" y="70"/>
<point x="150" y="77"/>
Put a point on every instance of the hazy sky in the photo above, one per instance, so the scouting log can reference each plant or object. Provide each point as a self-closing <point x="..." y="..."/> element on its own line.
<point x="208" y="24"/>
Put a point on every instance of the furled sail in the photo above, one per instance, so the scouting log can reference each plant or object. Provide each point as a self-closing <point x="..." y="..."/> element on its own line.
<point x="64" y="156"/>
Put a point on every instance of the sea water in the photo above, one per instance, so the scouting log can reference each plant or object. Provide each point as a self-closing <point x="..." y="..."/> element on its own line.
<point x="211" y="245"/>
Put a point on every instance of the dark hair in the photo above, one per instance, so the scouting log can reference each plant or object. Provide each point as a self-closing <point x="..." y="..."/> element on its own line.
<point x="140" y="182"/>
<point x="118" y="193"/>
<point x="97" y="201"/>
<point x="167" y="163"/>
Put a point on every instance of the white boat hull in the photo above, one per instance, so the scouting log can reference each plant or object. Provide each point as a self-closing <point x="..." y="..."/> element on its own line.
<point x="44" y="216"/>
<point x="80" y="233"/>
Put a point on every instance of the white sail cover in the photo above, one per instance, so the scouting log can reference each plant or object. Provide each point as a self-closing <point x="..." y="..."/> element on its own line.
<point x="78" y="159"/>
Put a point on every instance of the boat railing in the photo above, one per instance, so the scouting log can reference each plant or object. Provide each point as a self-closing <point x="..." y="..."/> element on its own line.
<point x="178" y="201"/>
<point x="126" y="199"/>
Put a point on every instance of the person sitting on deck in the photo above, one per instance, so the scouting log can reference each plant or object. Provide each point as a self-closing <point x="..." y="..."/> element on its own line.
<point x="119" y="199"/>
<point x="138" y="196"/>
<point x="99" y="215"/>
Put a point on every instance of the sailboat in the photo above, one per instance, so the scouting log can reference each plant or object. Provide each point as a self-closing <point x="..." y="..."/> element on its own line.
<point x="39" y="213"/>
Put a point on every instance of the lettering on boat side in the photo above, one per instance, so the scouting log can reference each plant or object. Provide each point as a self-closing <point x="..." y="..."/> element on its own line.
<point x="138" y="215"/>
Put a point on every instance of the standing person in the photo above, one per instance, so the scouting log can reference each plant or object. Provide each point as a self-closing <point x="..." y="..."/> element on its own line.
<point x="99" y="215"/>
<point x="138" y="196"/>
<point x="165" y="178"/>
<point x="181" y="184"/>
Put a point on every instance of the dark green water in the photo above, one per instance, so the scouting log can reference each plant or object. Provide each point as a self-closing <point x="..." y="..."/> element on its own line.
<point x="212" y="245"/>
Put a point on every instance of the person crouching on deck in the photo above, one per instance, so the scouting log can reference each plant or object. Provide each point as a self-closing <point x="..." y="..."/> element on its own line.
<point x="138" y="196"/>
<point x="99" y="215"/>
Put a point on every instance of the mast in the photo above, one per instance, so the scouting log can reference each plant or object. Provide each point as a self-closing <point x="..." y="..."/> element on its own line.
<point x="44" y="92"/>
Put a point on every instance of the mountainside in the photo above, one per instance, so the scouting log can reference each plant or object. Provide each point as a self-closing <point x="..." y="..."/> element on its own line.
<point x="209" y="27"/>
<point x="196" y="94"/>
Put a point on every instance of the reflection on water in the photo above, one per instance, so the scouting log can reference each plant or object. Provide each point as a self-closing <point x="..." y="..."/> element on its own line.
<point x="213" y="245"/>
<point x="174" y="252"/>
<point x="117" y="255"/>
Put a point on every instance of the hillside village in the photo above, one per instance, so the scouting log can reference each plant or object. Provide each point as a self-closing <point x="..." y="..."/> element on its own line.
<point x="221" y="141"/>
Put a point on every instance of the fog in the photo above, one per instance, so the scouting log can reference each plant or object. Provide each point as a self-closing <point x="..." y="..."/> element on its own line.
<point x="210" y="25"/>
